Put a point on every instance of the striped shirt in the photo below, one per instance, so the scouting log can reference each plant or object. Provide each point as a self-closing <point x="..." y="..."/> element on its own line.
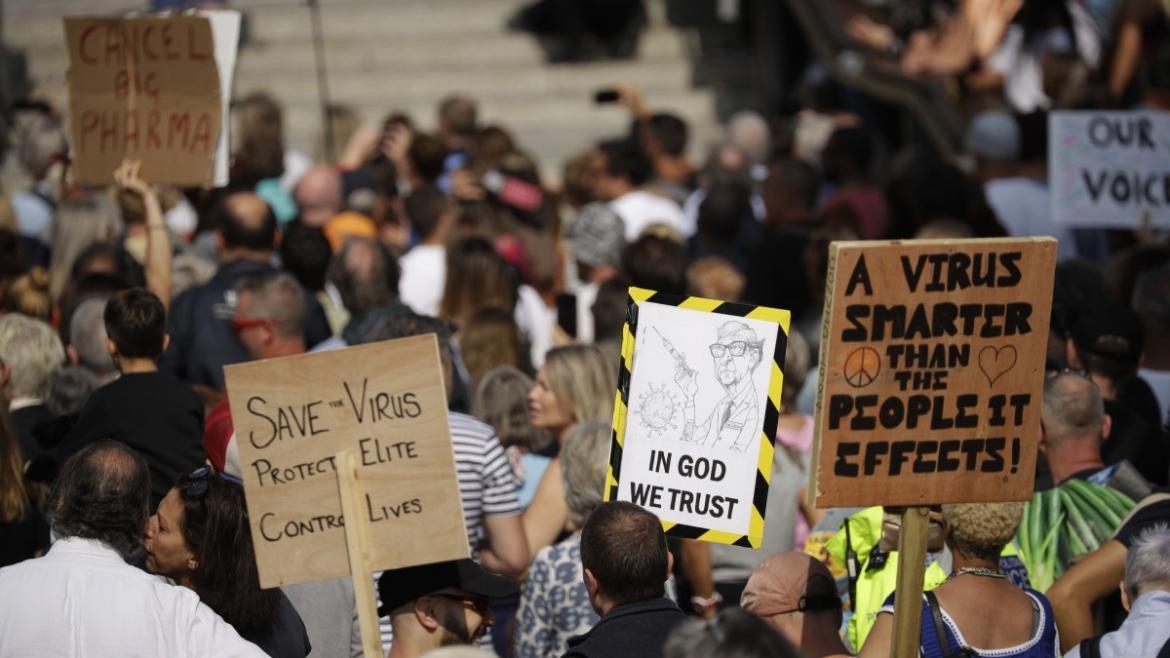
<point x="487" y="485"/>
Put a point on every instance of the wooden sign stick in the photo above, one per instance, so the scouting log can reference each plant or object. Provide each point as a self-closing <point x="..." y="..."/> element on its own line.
<point x="911" y="574"/>
<point x="357" y="539"/>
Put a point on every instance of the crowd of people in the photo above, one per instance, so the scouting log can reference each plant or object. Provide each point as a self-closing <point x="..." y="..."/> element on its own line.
<point x="123" y="525"/>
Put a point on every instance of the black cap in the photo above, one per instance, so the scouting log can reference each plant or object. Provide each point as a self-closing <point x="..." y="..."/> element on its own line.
<point x="401" y="586"/>
<point x="1113" y="332"/>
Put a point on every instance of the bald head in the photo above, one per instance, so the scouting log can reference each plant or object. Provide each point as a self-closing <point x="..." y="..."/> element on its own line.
<point x="246" y="223"/>
<point x="318" y="195"/>
<point x="749" y="131"/>
<point x="365" y="274"/>
<point x="1073" y="409"/>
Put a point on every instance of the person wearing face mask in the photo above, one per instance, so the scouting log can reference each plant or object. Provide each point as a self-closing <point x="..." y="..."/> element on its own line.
<point x="438" y="605"/>
<point x="200" y="538"/>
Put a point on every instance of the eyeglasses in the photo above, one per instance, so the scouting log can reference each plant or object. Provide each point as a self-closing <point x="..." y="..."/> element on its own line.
<point x="736" y="348"/>
<point x="240" y="324"/>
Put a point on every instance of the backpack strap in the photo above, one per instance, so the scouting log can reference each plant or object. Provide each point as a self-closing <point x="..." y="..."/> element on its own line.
<point x="1091" y="648"/>
<point x="939" y="631"/>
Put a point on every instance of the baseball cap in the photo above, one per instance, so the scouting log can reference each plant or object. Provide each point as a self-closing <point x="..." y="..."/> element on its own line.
<point x="400" y="586"/>
<point x="597" y="235"/>
<point x="1112" y="332"/>
<point x="787" y="582"/>
<point x="994" y="135"/>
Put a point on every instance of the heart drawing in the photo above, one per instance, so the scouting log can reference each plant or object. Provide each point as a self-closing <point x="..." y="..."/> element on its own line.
<point x="996" y="362"/>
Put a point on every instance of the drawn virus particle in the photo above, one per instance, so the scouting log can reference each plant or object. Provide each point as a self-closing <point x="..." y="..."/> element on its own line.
<point x="657" y="409"/>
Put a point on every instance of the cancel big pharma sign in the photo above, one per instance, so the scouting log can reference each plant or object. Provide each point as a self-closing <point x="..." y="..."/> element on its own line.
<point x="931" y="371"/>
<point x="386" y="404"/>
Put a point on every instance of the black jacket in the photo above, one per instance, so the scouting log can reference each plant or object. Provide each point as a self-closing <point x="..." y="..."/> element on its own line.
<point x="202" y="340"/>
<point x="637" y="630"/>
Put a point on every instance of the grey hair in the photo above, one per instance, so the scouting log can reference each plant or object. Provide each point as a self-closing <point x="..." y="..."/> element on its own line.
<point x="750" y="132"/>
<point x="278" y="297"/>
<point x="1147" y="563"/>
<point x="584" y="458"/>
<point x="1073" y="407"/>
<point x="87" y="335"/>
<point x="71" y="390"/>
<point x="40" y="144"/>
<point x="34" y="352"/>
<point x="797" y="360"/>
<point x="103" y="493"/>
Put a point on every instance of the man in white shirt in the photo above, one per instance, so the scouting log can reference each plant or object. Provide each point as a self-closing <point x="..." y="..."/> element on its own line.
<point x="424" y="267"/>
<point x="82" y="598"/>
<point x="621" y="171"/>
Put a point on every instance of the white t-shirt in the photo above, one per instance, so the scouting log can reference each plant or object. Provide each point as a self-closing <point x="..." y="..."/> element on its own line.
<point x="82" y="599"/>
<point x="640" y="209"/>
<point x="424" y="273"/>
<point x="536" y="320"/>
<point x="1159" y="381"/>
<point x="1022" y="207"/>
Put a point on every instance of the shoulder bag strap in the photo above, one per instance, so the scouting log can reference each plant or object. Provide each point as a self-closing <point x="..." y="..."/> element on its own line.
<point x="1090" y="648"/>
<point x="939" y="630"/>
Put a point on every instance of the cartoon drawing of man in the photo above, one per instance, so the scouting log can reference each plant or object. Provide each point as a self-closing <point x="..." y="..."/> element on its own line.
<point x="732" y="421"/>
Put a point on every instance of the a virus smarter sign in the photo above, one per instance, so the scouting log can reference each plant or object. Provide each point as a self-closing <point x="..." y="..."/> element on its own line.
<point x="695" y="419"/>
<point x="1110" y="168"/>
<point x="931" y="370"/>
<point x="385" y="403"/>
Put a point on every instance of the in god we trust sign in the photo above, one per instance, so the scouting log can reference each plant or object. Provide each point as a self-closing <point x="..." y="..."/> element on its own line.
<point x="931" y="371"/>
<point x="695" y="414"/>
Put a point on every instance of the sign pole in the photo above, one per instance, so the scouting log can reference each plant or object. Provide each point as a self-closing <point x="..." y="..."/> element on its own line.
<point x="911" y="574"/>
<point x="357" y="541"/>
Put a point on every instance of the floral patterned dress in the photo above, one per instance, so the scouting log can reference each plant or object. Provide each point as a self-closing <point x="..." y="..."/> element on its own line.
<point x="554" y="605"/>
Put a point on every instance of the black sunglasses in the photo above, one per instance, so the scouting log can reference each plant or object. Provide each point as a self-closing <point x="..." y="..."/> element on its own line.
<point x="200" y="481"/>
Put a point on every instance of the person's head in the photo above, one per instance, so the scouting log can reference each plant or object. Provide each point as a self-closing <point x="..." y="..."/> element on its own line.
<point x="656" y="263"/>
<point x="29" y="294"/>
<point x="501" y="400"/>
<point x="245" y="225"/>
<point x="199" y="537"/>
<point x="797" y="596"/>
<point x="429" y="211"/>
<point x="136" y="325"/>
<point x="737" y="351"/>
<point x="596" y="238"/>
<point x="489" y="340"/>
<point x="576" y="383"/>
<point x="103" y="493"/>
<point x="477" y="277"/>
<point x="579" y="180"/>
<point x="390" y="326"/>
<point x="724" y="211"/>
<point x="620" y="167"/>
<point x="318" y="195"/>
<point x="1073" y="413"/>
<point x="1147" y="565"/>
<point x="732" y="634"/>
<point x="457" y="120"/>
<point x="305" y="253"/>
<point x="1107" y="342"/>
<point x="715" y="277"/>
<point x="981" y="530"/>
<point x="439" y="604"/>
<point x="848" y="154"/>
<point x="609" y="311"/>
<point x="797" y="361"/>
<point x="665" y="135"/>
<point x="993" y="138"/>
<point x="71" y="390"/>
<point x="40" y="144"/>
<point x="1151" y="300"/>
<point x="365" y="274"/>
<point x="31" y="354"/>
<point x="259" y="137"/>
<point x="427" y="156"/>
<point x="624" y="555"/>
<point x="341" y="122"/>
<point x="584" y="460"/>
<point x="1077" y="288"/>
<point x="749" y="132"/>
<point x="270" y="315"/>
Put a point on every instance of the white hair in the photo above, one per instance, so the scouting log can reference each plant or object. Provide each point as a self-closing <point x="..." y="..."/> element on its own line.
<point x="87" y="334"/>
<point x="750" y="133"/>
<point x="583" y="464"/>
<point x="34" y="352"/>
<point x="1147" y="564"/>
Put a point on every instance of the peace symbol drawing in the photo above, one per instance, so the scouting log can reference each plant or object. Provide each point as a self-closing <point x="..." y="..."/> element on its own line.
<point x="861" y="367"/>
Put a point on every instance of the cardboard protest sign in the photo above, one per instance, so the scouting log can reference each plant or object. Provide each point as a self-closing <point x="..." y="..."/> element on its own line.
<point x="1110" y="168"/>
<point x="695" y="414"/>
<point x="145" y="88"/>
<point x="385" y="403"/>
<point x="931" y="371"/>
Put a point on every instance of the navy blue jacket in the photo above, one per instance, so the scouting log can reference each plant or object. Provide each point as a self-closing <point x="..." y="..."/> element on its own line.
<point x="202" y="340"/>
<point x="636" y="630"/>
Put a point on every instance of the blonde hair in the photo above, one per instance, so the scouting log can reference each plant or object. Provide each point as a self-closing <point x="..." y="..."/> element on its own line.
<point x="583" y="464"/>
<point x="982" y="529"/>
<point x="341" y="122"/>
<point x="716" y="278"/>
<point x="583" y="379"/>
<point x="29" y="294"/>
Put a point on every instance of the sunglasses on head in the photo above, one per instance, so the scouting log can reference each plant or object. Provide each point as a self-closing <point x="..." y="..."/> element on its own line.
<point x="200" y="481"/>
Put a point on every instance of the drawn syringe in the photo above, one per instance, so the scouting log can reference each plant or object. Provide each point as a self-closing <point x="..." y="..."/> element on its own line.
<point x="678" y="356"/>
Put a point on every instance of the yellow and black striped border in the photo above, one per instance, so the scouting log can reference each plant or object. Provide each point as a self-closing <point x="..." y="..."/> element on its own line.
<point x="781" y="318"/>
